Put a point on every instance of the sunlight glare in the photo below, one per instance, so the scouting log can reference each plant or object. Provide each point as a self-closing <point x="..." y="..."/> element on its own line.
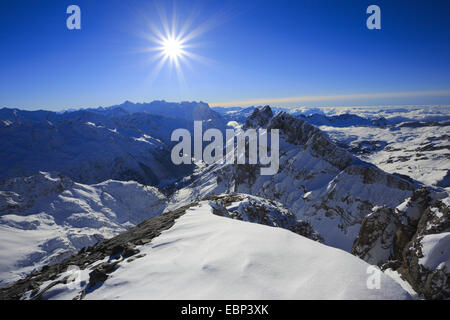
<point x="172" y="48"/>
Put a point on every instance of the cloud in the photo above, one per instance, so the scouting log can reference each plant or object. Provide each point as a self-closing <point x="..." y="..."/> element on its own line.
<point x="333" y="98"/>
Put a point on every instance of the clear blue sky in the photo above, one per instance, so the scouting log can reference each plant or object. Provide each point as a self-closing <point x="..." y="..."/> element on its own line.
<point x="253" y="51"/>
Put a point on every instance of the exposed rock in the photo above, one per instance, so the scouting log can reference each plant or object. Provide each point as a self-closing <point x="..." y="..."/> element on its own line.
<point x="97" y="276"/>
<point x="374" y="243"/>
<point x="426" y="263"/>
<point x="19" y="194"/>
<point x="412" y="239"/>
<point x="302" y="133"/>
<point x="263" y="211"/>
<point x="259" y="118"/>
<point x="136" y="257"/>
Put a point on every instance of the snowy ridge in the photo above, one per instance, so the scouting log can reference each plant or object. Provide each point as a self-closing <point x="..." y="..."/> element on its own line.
<point x="317" y="180"/>
<point x="206" y="256"/>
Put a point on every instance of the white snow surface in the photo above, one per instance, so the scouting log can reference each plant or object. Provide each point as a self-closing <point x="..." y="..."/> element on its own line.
<point x="47" y="217"/>
<point x="407" y="150"/>
<point x="436" y="251"/>
<point x="204" y="256"/>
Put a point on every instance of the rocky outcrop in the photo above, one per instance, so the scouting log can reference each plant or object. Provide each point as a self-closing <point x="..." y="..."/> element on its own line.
<point x="259" y="118"/>
<point x="374" y="243"/>
<point x="300" y="132"/>
<point x="263" y="211"/>
<point x="413" y="239"/>
<point x="426" y="258"/>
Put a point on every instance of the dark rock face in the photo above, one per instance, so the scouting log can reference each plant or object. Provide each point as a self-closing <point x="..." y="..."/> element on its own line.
<point x="128" y="252"/>
<point x="259" y="118"/>
<point x="433" y="283"/>
<point x="305" y="229"/>
<point x="376" y="237"/>
<point x="395" y="239"/>
<point x="367" y="146"/>
<point x="372" y="174"/>
<point x="302" y="133"/>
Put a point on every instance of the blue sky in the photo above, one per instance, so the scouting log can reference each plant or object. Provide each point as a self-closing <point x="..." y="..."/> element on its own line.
<point x="290" y="53"/>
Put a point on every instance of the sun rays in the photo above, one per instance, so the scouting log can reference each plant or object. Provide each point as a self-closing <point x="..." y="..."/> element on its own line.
<point x="171" y="42"/>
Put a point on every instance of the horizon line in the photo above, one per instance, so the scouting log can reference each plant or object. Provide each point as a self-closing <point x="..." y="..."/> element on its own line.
<point x="403" y="94"/>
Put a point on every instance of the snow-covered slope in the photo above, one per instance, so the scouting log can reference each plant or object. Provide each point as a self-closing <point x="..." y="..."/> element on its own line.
<point x="47" y="217"/>
<point x="245" y="207"/>
<point x="125" y="142"/>
<point x="205" y="256"/>
<point x="372" y="116"/>
<point x="85" y="151"/>
<point x="418" y="150"/>
<point x="317" y="180"/>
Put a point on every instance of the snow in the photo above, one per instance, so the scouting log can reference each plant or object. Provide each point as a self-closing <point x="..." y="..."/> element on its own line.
<point x="436" y="251"/>
<point x="204" y="256"/>
<point x="396" y="131"/>
<point x="329" y="190"/>
<point x="45" y="218"/>
<point x="91" y="146"/>
<point x="52" y="217"/>
<point x="405" y="151"/>
<point x="404" y="284"/>
<point x="393" y="114"/>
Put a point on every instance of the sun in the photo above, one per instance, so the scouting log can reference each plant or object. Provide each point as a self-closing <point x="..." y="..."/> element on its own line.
<point x="172" y="48"/>
<point x="172" y="43"/>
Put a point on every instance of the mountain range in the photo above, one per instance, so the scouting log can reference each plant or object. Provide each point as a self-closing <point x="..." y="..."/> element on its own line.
<point x="96" y="189"/>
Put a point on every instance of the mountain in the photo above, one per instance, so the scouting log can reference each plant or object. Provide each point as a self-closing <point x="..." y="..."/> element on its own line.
<point x="189" y="111"/>
<point x="191" y="253"/>
<point x="46" y="217"/>
<point x="344" y="117"/>
<point x="343" y="120"/>
<point x="86" y="152"/>
<point x="330" y="188"/>
<point x="128" y="142"/>
<point x="249" y="208"/>
<point x="320" y="182"/>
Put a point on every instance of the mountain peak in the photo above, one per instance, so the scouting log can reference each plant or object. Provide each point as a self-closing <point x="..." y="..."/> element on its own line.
<point x="259" y="117"/>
